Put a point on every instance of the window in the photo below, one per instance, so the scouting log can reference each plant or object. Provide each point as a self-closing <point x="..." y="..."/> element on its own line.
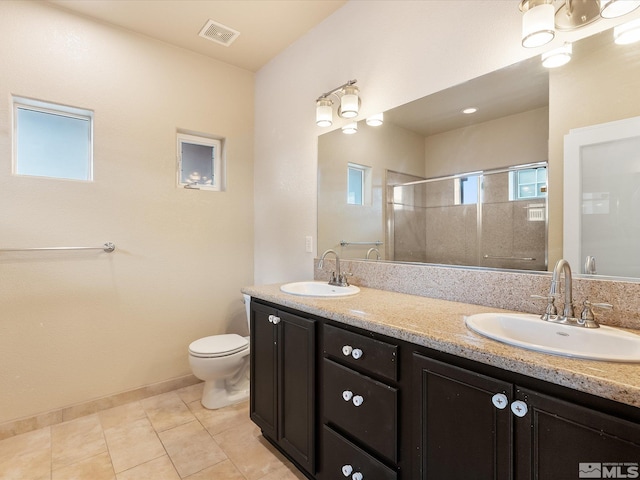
<point x="466" y="190"/>
<point x="528" y="183"/>
<point x="358" y="184"/>
<point x="52" y="140"/>
<point x="200" y="162"/>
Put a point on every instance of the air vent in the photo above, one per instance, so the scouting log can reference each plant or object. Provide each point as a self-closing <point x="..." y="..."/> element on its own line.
<point x="216" y="32"/>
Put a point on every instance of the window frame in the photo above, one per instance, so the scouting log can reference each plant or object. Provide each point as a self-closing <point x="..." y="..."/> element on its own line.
<point x="366" y="183"/>
<point x="51" y="108"/>
<point x="218" y="183"/>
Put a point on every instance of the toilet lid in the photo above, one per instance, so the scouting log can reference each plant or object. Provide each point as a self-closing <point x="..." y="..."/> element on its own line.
<point x="218" y="345"/>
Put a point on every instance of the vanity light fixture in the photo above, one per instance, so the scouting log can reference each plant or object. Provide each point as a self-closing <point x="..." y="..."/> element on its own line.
<point x="349" y="103"/>
<point x="375" y="120"/>
<point x="558" y="56"/>
<point x="350" y="128"/>
<point x="627" y="33"/>
<point x="540" y="20"/>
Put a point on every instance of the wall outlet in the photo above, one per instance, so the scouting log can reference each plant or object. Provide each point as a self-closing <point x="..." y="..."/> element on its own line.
<point x="308" y="244"/>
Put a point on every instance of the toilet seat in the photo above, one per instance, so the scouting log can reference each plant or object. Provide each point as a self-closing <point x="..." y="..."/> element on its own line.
<point x="218" y="346"/>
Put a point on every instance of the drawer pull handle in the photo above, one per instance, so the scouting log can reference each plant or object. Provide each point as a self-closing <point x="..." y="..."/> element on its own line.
<point x="347" y="395"/>
<point x="519" y="408"/>
<point x="357" y="400"/>
<point x="346" y="470"/>
<point x="356" y="353"/>
<point x="357" y="476"/>
<point x="346" y="350"/>
<point x="500" y="401"/>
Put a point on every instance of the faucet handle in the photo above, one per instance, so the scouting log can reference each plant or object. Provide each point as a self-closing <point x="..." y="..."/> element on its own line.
<point x="587" y="317"/>
<point x="551" y="312"/>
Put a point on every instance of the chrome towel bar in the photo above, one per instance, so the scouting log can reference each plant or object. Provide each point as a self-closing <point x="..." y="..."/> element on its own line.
<point x="346" y="244"/>
<point x="107" y="247"/>
<point x="498" y="257"/>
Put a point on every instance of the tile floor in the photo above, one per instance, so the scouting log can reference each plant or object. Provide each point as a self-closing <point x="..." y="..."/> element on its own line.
<point x="166" y="437"/>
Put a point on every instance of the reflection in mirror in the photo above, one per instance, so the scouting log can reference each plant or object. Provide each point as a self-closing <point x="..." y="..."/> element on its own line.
<point x="430" y="138"/>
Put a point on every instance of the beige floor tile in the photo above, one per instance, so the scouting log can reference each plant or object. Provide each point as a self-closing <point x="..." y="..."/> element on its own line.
<point x="191" y="448"/>
<point x="224" y="470"/>
<point x="249" y="451"/>
<point x="285" y="472"/>
<point x="217" y="421"/>
<point x="26" y="456"/>
<point x="167" y="411"/>
<point x="159" y="469"/>
<point x="117" y="416"/>
<point x="76" y="440"/>
<point x="191" y="393"/>
<point x="133" y="444"/>
<point x="94" y="468"/>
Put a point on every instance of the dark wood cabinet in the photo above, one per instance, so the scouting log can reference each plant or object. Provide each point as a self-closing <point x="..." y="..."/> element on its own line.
<point x="283" y="366"/>
<point x="467" y="422"/>
<point x="458" y="431"/>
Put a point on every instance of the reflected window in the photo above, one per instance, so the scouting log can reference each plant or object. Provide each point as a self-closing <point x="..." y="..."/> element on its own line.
<point x="528" y="183"/>
<point x="466" y="190"/>
<point x="358" y="184"/>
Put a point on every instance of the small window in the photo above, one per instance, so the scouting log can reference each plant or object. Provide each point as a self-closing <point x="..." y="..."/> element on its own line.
<point x="200" y="162"/>
<point x="52" y="140"/>
<point x="466" y="190"/>
<point x="528" y="183"/>
<point x="358" y="184"/>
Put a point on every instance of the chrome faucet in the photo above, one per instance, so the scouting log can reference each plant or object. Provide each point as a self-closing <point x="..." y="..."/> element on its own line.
<point x="337" y="279"/>
<point x="373" y="250"/>
<point x="561" y="267"/>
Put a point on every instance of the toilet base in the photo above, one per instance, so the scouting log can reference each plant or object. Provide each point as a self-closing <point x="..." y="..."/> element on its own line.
<point x="216" y="394"/>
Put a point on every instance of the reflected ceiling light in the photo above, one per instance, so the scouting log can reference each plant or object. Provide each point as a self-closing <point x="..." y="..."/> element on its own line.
<point x="618" y="8"/>
<point x="350" y="128"/>
<point x="375" y="120"/>
<point x="627" y="32"/>
<point x="537" y="22"/>
<point x="557" y="57"/>
<point x="349" y="103"/>
<point x="470" y="110"/>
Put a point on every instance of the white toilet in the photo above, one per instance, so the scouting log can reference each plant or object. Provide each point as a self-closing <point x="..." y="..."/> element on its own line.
<point x="222" y="361"/>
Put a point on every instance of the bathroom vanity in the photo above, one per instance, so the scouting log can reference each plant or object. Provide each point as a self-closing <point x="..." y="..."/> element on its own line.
<point x="384" y="385"/>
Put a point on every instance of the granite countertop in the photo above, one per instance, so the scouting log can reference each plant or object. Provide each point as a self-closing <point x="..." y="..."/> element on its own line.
<point x="439" y="324"/>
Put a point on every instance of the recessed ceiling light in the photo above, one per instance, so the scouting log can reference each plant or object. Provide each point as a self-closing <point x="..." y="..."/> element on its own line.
<point x="470" y="110"/>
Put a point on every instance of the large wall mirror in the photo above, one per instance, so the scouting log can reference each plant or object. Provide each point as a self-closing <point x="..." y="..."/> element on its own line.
<point x="435" y="185"/>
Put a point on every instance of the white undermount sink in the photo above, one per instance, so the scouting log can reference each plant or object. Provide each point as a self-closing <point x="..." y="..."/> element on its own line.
<point x="318" y="289"/>
<point x="530" y="332"/>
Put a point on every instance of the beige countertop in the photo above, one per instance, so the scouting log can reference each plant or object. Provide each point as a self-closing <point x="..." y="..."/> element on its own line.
<point x="439" y="324"/>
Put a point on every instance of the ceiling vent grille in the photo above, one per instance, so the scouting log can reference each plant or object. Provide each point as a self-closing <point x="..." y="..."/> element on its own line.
<point x="216" y="32"/>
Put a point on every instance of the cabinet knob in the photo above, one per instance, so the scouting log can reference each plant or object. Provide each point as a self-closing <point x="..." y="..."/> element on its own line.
<point x="519" y="408"/>
<point x="500" y="401"/>
<point x="346" y="470"/>
<point x="357" y="476"/>
<point x="346" y="350"/>
<point x="276" y="320"/>
<point x="347" y="395"/>
<point x="357" y="400"/>
<point x="271" y="317"/>
<point x="356" y="353"/>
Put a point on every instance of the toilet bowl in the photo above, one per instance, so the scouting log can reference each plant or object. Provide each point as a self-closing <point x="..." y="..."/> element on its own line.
<point x="222" y="361"/>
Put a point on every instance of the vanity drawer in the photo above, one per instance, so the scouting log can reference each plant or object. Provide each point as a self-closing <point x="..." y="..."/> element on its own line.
<point x="370" y="355"/>
<point x="339" y="453"/>
<point x="362" y="407"/>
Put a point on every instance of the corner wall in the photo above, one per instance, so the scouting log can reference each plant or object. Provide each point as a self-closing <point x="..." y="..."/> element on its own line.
<point x="76" y="326"/>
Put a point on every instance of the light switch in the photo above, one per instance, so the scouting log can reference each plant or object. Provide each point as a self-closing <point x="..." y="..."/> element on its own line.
<point x="308" y="244"/>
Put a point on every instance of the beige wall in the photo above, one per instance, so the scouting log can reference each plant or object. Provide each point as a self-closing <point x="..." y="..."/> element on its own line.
<point x="507" y="141"/>
<point x="80" y="325"/>
<point x="380" y="148"/>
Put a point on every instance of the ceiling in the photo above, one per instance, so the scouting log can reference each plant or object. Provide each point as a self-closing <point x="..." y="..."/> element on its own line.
<point x="267" y="27"/>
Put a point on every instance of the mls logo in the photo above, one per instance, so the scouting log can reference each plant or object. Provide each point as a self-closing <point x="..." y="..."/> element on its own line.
<point x="590" y="470"/>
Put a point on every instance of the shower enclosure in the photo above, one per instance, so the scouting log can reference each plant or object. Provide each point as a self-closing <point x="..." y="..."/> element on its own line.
<point x="494" y="218"/>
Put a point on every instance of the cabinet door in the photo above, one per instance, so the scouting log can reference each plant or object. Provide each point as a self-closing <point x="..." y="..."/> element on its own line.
<point x="558" y="440"/>
<point x="296" y="387"/>
<point x="459" y="432"/>
<point x="263" y="377"/>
